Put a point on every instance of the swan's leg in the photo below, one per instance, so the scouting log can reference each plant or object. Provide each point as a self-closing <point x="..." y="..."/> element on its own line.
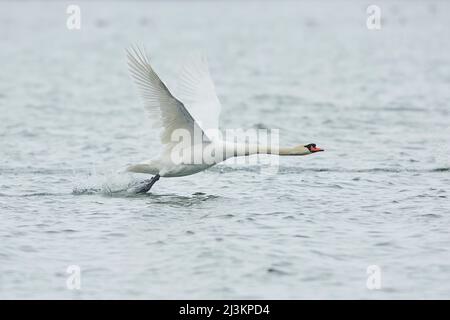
<point x="145" y="188"/>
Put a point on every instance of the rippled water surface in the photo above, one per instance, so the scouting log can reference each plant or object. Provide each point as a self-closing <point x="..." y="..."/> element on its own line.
<point x="377" y="101"/>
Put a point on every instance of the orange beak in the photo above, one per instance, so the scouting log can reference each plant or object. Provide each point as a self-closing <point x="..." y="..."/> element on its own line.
<point x="313" y="149"/>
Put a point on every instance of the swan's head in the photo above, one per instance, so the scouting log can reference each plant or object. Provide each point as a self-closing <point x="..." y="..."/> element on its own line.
<point x="312" y="148"/>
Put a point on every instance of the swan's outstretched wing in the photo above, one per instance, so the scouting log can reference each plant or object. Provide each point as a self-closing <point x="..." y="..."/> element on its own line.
<point x="165" y="110"/>
<point x="196" y="90"/>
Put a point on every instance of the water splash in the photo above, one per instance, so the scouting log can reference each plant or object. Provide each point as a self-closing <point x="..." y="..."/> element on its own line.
<point x="108" y="183"/>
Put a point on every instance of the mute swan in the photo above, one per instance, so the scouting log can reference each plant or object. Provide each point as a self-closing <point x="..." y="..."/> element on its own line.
<point x="171" y="114"/>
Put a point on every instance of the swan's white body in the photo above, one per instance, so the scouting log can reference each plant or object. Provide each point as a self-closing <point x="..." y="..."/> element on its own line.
<point x="197" y="92"/>
<point x="166" y="167"/>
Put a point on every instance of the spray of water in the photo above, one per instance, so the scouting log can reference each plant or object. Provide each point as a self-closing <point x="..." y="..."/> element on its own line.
<point x="107" y="182"/>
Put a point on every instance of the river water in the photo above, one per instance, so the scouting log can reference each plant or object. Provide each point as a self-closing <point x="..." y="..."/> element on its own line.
<point x="378" y="101"/>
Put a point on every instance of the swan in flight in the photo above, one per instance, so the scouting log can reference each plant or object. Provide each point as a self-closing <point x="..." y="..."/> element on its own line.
<point x="195" y="116"/>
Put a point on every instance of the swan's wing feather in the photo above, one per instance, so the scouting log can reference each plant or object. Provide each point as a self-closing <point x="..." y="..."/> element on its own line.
<point x="164" y="109"/>
<point x="196" y="90"/>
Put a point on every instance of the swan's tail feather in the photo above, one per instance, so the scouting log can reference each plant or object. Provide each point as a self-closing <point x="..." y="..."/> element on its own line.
<point x="142" y="168"/>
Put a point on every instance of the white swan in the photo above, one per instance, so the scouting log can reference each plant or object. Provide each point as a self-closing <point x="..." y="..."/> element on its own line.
<point x="202" y="120"/>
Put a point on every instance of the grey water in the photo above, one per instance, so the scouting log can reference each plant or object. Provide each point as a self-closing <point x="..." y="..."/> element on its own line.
<point x="378" y="101"/>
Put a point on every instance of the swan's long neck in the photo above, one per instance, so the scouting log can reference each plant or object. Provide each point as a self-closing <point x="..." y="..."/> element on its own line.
<point x="242" y="149"/>
<point x="295" y="151"/>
